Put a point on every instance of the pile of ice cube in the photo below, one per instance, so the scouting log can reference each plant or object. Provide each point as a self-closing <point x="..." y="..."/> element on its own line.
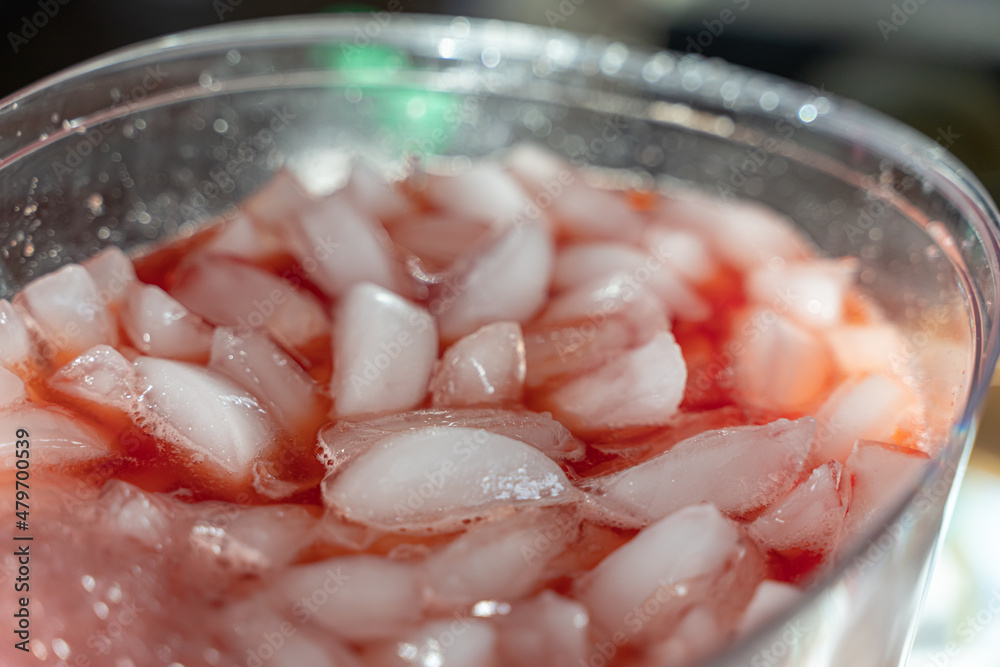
<point x="498" y="417"/>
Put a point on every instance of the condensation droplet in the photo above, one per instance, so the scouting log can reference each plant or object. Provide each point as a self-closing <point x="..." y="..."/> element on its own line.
<point x="95" y="203"/>
<point x="60" y="648"/>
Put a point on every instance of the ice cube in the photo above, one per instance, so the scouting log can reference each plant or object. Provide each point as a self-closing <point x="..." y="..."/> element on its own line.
<point x="684" y="251"/>
<point x="780" y="365"/>
<point x="274" y="206"/>
<point x="345" y="440"/>
<point x="216" y="424"/>
<point x="240" y="238"/>
<point x="453" y="642"/>
<point x="769" y="600"/>
<point x="115" y="588"/>
<point x="614" y="296"/>
<point x="357" y="598"/>
<point x="697" y="634"/>
<point x="290" y="396"/>
<point x="745" y="234"/>
<point x="812" y="291"/>
<point x="683" y="425"/>
<point x="57" y="437"/>
<point x="740" y="470"/>
<point x="583" y="263"/>
<point x="484" y="192"/>
<point x="160" y="326"/>
<point x="508" y="281"/>
<point x="810" y="518"/>
<point x="484" y="368"/>
<point x="373" y="195"/>
<point x="694" y="556"/>
<point x="68" y="309"/>
<point x="438" y="241"/>
<point x="15" y="340"/>
<point x="384" y="353"/>
<point x="113" y="275"/>
<point x="100" y="376"/>
<point x="866" y="348"/>
<point x="133" y="514"/>
<point x="230" y="293"/>
<point x="589" y="326"/>
<point x="641" y="387"/>
<point x="534" y="167"/>
<point x="251" y="541"/>
<point x="436" y="479"/>
<point x="581" y="212"/>
<point x="881" y="475"/>
<point x="259" y="635"/>
<point x="501" y="560"/>
<point x="338" y="246"/>
<point x="869" y="407"/>
<point x="12" y="389"/>
<point x="548" y="629"/>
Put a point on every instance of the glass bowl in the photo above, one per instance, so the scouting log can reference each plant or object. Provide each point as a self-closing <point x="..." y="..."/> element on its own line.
<point x="148" y="143"/>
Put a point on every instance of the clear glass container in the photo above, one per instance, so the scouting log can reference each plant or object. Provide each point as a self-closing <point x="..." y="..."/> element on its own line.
<point x="148" y="143"/>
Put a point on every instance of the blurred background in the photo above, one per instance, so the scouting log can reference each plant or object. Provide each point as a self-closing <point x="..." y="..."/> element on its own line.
<point x="934" y="64"/>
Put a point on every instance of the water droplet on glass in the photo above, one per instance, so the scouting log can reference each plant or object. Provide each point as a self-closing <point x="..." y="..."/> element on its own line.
<point x="807" y="113"/>
<point x="446" y="47"/>
<point x="95" y="203"/>
<point x="491" y="57"/>
<point x="691" y="81"/>
<point x="460" y="27"/>
<point x="769" y="101"/>
<point x="613" y="58"/>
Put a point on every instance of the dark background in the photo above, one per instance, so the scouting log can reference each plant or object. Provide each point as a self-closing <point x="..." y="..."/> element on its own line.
<point x="934" y="64"/>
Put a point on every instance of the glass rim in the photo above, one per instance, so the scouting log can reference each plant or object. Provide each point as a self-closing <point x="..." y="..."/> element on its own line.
<point x="843" y="119"/>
